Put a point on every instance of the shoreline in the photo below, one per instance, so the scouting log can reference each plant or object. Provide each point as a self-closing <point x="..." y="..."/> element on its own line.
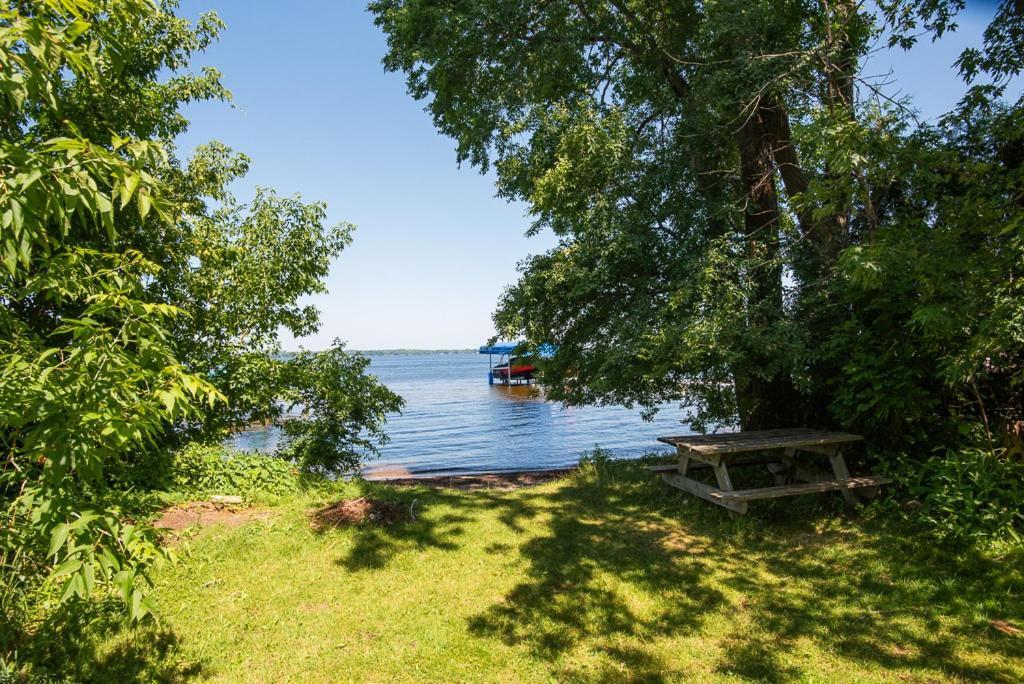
<point x="513" y="479"/>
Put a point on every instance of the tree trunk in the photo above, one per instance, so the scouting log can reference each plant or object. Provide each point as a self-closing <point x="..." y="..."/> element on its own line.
<point x="823" y="236"/>
<point x="764" y="400"/>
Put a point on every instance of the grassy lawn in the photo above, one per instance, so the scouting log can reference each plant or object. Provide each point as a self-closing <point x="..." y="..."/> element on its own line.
<point x="608" y="575"/>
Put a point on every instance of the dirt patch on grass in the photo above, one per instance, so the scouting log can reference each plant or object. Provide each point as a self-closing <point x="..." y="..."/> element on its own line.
<point x="205" y="513"/>
<point x="524" y="478"/>
<point x="361" y="511"/>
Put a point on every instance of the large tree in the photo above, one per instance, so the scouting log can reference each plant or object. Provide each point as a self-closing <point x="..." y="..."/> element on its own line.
<point x="139" y="302"/>
<point x="706" y="166"/>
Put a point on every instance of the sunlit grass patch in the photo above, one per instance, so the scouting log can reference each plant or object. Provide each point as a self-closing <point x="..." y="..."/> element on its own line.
<point x="597" y="577"/>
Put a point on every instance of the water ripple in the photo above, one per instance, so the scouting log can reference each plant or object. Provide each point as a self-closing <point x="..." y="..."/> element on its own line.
<point x="454" y="422"/>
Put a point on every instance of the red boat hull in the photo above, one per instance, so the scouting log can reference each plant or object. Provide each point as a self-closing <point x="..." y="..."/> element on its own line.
<point x="517" y="371"/>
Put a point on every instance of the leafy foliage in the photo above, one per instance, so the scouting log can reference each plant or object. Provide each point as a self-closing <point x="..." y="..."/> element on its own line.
<point x="747" y="223"/>
<point x="967" y="496"/>
<point x="345" y="408"/>
<point x="239" y="273"/>
<point x="206" y="470"/>
<point x="935" y="331"/>
<point x="141" y="302"/>
<point x="89" y="369"/>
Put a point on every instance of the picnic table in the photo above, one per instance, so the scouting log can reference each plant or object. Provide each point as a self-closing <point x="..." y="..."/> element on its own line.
<point x="776" y="449"/>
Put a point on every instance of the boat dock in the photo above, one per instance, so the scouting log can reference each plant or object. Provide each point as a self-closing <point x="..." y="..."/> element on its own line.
<point x="510" y="369"/>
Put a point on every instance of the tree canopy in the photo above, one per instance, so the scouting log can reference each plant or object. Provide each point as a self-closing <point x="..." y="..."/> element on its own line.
<point x="747" y="223"/>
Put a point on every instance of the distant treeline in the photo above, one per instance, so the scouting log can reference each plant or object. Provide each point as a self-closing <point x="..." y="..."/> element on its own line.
<point x="398" y="352"/>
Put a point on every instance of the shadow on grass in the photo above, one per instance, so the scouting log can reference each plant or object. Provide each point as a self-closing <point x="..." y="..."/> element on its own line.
<point x="376" y="545"/>
<point x="616" y="572"/>
<point x="149" y="653"/>
<point x="632" y="580"/>
<point x="627" y="579"/>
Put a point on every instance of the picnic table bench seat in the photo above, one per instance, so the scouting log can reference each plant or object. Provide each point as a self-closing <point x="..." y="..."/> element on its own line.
<point x="718" y="452"/>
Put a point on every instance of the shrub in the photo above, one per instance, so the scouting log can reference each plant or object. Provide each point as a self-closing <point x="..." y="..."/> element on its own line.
<point x="142" y="470"/>
<point x="597" y="466"/>
<point x="344" y="410"/>
<point x="968" y="495"/>
<point x="208" y="469"/>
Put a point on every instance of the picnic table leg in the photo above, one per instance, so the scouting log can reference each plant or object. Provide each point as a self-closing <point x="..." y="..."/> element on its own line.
<point x="725" y="484"/>
<point x="697" y="488"/>
<point x="800" y="473"/>
<point x="835" y="456"/>
<point x="784" y="471"/>
<point x="721" y="474"/>
<point x="684" y="460"/>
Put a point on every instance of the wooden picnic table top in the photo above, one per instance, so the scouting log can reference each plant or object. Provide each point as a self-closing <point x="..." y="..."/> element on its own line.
<point x="757" y="440"/>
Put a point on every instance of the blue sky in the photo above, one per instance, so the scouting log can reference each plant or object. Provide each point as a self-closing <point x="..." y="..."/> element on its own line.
<point x="433" y="246"/>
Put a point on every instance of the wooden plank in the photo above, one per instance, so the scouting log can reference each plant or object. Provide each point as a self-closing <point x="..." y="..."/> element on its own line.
<point x="744" y="435"/>
<point x="674" y="467"/>
<point x="684" y="461"/>
<point x="761" y="439"/>
<point x="706" y="492"/>
<point x="722" y="475"/>
<point x="232" y="499"/>
<point x="783" y="433"/>
<point x="756" y="440"/>
<point x="842" y="474"/>
<point x="743" y="495"/>
<point x="703" y="465"/>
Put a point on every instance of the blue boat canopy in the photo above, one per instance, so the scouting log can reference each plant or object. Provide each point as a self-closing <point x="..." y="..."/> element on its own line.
<point x="546" y="350"/>
<point x="506" y="348"/>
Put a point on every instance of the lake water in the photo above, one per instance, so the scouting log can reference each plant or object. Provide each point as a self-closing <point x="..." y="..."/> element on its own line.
<point x="454" y="422"/>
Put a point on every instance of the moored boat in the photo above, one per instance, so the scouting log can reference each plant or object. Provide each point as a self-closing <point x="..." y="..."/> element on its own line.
<point x="516" y="369"/>
<point x="521" y="369"/>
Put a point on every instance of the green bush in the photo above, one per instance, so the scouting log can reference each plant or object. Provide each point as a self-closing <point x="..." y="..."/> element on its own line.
<point x="967" y="496"/>
<point x="344" y="409"/>
<point x="596" y="465"/>
<point x="142" y="470"/>
<point x="209" y="469"/>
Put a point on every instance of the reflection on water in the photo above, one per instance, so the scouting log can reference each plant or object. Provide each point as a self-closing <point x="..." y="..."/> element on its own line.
<point x="454" y="422"/>
<point x="518" y="392"/>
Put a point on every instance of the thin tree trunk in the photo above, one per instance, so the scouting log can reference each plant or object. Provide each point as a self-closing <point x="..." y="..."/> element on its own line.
<point x="764" y="400"/>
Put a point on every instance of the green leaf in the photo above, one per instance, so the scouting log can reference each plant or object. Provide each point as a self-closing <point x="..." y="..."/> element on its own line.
<point x="131" y="182"/>
<point x="68" y="567"/>
<point x="144" y="202"/>
<point x="168" y="399"/>
<point x="137" y="612"/>
<point x="58" y="538"/>
<point x="17" y="216"/>
<point x="10" y="257"/>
